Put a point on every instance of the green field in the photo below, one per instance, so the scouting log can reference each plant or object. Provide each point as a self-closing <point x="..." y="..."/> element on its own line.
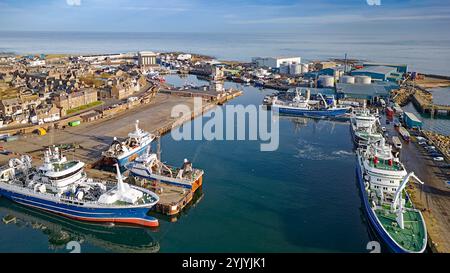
<point x="84" y="107"/>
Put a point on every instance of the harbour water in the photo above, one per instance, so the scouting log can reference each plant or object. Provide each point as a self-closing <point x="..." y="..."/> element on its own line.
<point x="439" y="124"/>
<point x="421" y="53"/>
<point x="301" y="198"/>
<point x="441" y="95"/>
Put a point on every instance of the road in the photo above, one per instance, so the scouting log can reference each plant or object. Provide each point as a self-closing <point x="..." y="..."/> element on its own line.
<point x="433" y="198"/>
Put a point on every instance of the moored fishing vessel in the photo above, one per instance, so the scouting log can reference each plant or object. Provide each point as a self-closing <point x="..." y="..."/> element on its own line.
<point x="61" y="186"/>
<point x="382" y="180"/>
<point x="131" y="148"/>
<point x="364" y="127"/>
<point x="148" y="166"/>
<point x="303" y="106"/>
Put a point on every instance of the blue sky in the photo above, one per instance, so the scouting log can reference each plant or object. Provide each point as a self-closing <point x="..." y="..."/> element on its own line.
<point x="424" y="17"/>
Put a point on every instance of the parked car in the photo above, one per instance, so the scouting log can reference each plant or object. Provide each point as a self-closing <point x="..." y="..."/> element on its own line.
<point x="419" y="138"/>
<point x="439" y="158"/>
<point x="422" y="143"/>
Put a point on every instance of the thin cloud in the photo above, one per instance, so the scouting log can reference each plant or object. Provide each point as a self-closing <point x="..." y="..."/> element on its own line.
<point x="73" y="2"/>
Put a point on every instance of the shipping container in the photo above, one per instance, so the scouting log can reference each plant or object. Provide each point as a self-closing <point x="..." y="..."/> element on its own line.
<point x="389" y="112"/>
<point x="12" y="138"/>
<point x="74" y="123"/>
<point x="411" y="121"/>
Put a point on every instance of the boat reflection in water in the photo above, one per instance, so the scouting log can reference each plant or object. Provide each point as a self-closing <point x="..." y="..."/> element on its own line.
<point x="60" y="231"/>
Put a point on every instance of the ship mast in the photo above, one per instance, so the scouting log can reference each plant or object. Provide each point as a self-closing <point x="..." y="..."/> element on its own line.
<point x="398" y="200"/>
<point x="120" y="184"/>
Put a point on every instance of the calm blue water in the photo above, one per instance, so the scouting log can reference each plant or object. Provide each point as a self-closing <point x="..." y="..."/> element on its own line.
<point x="301" y="198"/>
<point x="440" y="125"/>
<point x="441" y="96"/>
<point x="423" y="54"/>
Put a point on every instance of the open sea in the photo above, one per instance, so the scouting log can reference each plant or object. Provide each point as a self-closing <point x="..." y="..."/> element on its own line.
<point x="422" y="54"/>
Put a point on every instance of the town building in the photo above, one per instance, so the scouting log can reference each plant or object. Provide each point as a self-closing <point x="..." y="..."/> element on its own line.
<point x="146" y="58"/>
<point x="381" y="73"/>
<point x="274" y="62"/>
<point x="69" y="101"/>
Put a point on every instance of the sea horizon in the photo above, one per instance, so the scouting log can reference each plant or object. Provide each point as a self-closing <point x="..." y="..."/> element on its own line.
<point x="423" y="55"/>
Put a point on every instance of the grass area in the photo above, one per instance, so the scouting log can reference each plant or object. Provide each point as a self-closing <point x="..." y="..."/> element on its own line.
<point x="84" y="107"/>
<point x="55" y="56"/>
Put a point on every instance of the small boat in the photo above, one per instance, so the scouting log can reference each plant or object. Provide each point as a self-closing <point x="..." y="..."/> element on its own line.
<point x="61" y="186"/>
<point x="302" y="106"/>
<point x="135" y="145"/>
<point x="382" y="180"/>
<point x="149" y="167"/>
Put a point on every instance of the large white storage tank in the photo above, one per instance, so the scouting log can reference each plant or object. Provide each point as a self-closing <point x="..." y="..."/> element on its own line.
<point x="304" y="68"/>
<point x="295" y="69"/>
<point x="347" y="79"/>
<point x="363" y="79"/>
<point x="326" y="81"/>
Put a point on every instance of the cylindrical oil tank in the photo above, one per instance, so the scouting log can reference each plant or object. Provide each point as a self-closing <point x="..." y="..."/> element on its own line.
<point x="347" y="79"/>
<point x="326" y="81"/>
<point x="363" y="79"/>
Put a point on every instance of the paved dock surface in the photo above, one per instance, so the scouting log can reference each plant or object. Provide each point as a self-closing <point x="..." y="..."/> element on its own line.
<point x="433" y="198"/>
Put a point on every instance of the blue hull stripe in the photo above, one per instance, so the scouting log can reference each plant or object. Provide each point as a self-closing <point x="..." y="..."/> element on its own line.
<point x="125" y="160"/>
<point x="78" y="211"/>
<point x="318" y="113"/>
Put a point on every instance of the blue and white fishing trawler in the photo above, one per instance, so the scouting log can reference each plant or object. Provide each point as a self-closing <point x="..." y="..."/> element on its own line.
<point x="303" y="106"/>
<point x="61" y="186"/>
<point x="382" y="180"/>
<point x="135" y="145"/>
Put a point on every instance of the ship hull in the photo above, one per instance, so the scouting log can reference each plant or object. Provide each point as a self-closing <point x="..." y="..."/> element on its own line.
<point x="310" y="113"/>
<point x="125" y="215"/>
<point x="371" y="216"/>
<point x="193" y="186"/>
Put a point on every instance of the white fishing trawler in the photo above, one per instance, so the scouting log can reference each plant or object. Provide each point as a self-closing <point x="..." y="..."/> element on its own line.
<point x="61" y="186"/>
<point x="134" y="146"/>
<point x="365" y="126"/>
<point x="303" y="106"/>
<point x="382" y="180"/>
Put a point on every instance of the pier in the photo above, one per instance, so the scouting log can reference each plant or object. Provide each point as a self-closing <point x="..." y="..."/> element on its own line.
<point x="425" y="105"/>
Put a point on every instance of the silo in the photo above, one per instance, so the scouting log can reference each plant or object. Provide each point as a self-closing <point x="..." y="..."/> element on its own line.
<point x="363" y="80"/>
<point x="304" y="68"/>
<point x="295" y="69"/>
<point x="326" y="81"/>
<point x="347" y="79"/>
